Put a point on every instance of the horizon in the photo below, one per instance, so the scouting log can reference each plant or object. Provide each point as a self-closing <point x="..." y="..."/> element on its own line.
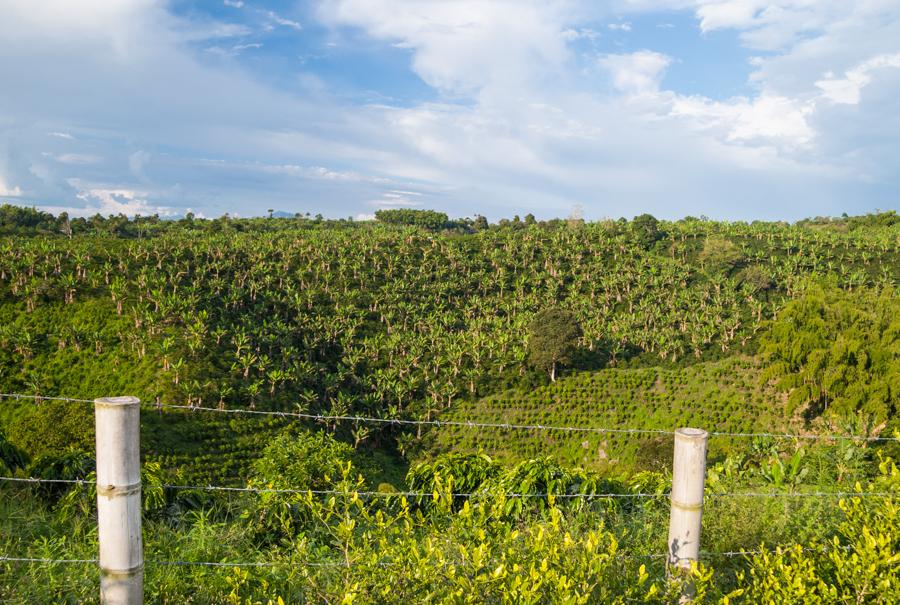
<point x="285" y="215"/>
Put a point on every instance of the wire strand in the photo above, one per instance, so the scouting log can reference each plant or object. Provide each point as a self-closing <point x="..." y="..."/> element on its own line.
<point x="805" y="436"/>
<point x="509" y="426"/>
<point x="402" y="421"/>
<point x="43" y="398"/>
<point x="334" y="492"/>
<point x="702" y="554"/>
<point x="468" y="423"/>
<point x="412" y="494"/>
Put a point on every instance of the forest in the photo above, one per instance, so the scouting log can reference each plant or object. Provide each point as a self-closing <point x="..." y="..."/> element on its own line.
<point x="378" y="395"/>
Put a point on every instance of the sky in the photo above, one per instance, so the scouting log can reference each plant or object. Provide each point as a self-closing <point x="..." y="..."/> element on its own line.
<point x="732" y="109"/>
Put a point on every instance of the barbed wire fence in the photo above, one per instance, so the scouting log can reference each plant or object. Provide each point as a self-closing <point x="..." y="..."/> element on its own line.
<point x="249" y="489"/>
<point x="462" y="423"/>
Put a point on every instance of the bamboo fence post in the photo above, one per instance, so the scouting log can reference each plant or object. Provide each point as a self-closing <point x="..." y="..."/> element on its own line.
<point x="688" y="475"/>
<point x="119" y="500"/>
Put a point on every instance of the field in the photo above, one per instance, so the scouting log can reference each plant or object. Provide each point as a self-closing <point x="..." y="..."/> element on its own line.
<point x="330" y="356"/>
<point x="726" y="396"/>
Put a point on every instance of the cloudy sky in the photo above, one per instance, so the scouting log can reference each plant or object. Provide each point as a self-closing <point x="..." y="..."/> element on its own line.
<point x="733" y="109"/>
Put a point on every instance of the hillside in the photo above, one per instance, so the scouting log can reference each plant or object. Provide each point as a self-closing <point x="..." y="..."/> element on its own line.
<point x="725" y="396"/>
<point x="733" y="327"/>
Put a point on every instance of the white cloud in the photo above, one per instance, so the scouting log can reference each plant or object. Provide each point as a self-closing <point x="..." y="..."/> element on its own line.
<point x="584" y="33"/>
<point x="636" y="73"/>
<point x="396" y="199"/>
<point x="78" y="158"/>
<point x="279" y="20"/>
<point x="719" y="14"/>
<point x="554" y="145"/>
<point x="117" y="201"/>
<point x="109" y="202"/>
<point x="232" y="51"/>
<point x="466" y="46"/>
<point x="848" y="90"/>
<point x="766" y="118"/>
<point x="7" y="191"/>
<point x="62" y="135"/>
<point x="770" y="25"/>
<point x="234" y="3"/>
<point x="624" y="27"/>
<point x="296" y="170"/>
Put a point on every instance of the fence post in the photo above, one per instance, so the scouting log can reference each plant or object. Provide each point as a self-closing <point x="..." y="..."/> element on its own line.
<point x="119" y="500"/>
<point x="688" y="474"/>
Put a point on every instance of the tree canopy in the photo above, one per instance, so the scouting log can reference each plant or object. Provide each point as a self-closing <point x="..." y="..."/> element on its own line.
<point x="838" y="350"/>
<point x="428" y="219"/>
<point x="720" y="255"/>
<point x="646" y="230"/>
<point x="552" y="339"/>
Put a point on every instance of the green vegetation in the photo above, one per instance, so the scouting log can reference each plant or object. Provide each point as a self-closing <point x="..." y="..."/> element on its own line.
<point x="552" y="339"/>
<point x="725" y="394"/>
<point x="427" y="219"/>
<point x="484" y="548"/>
<point x="733" y="327"/>
<point x="838" y="349"/>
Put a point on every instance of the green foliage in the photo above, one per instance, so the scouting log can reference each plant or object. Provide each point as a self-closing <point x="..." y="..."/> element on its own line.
<point x="756" y="279"/>
<point x="344" y="318"/>
<point x="860" y="564"/>
<point x="18" y="219"/>
<point x="386" y="550"/>
<point x="839" y="352"/>
<point x="646" y="230"/>
<point x="720" y="255"/>
<point x="468" y="472"/>
<point x="50" y="427"/>
<point x="69" y="465"/>
<point x="553" y="336"/>
<point x="479" y="474"/>
<point x="11" y="457"/>
<point x="727" y="395"/>
<point x="301" y="461"/>
<point x="367" y="318"/>
<point x="427" y="219"/>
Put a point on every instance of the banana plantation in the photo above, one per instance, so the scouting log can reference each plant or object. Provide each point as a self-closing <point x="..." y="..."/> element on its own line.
<point x="739" y="328"/>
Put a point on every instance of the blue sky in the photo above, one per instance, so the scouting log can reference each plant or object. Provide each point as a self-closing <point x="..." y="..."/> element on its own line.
<point x="735" y="109"/>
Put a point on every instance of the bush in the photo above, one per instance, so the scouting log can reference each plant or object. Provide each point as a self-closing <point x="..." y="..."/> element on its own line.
<point x="302" y="461"/>
<point x="49" y="428"/>
<point x="69" y="465"/>
<point x="11" y="457"/>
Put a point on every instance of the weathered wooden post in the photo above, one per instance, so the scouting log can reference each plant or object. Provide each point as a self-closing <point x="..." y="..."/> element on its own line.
<point x="688" y="475"/>
<point x="119" y="500"/>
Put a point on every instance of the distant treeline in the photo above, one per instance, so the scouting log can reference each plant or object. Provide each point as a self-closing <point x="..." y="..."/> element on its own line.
<point x="20" y="220"/>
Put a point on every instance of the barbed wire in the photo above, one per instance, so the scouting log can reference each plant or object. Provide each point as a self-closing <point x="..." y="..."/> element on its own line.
<point x="818" y="494"/>
<point x="4" y="558"/>
<point x="804" y="436"/>
<point x="487" y="492"/>
<point x="334" y="492"/>
<point x="408" y="422"/>
<point x="505" y="425"/>
<point x="43" y="398"/>
<point x="466" y="423"/>
<point x="173" y="563"/>
<point x="227" y="564"/>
